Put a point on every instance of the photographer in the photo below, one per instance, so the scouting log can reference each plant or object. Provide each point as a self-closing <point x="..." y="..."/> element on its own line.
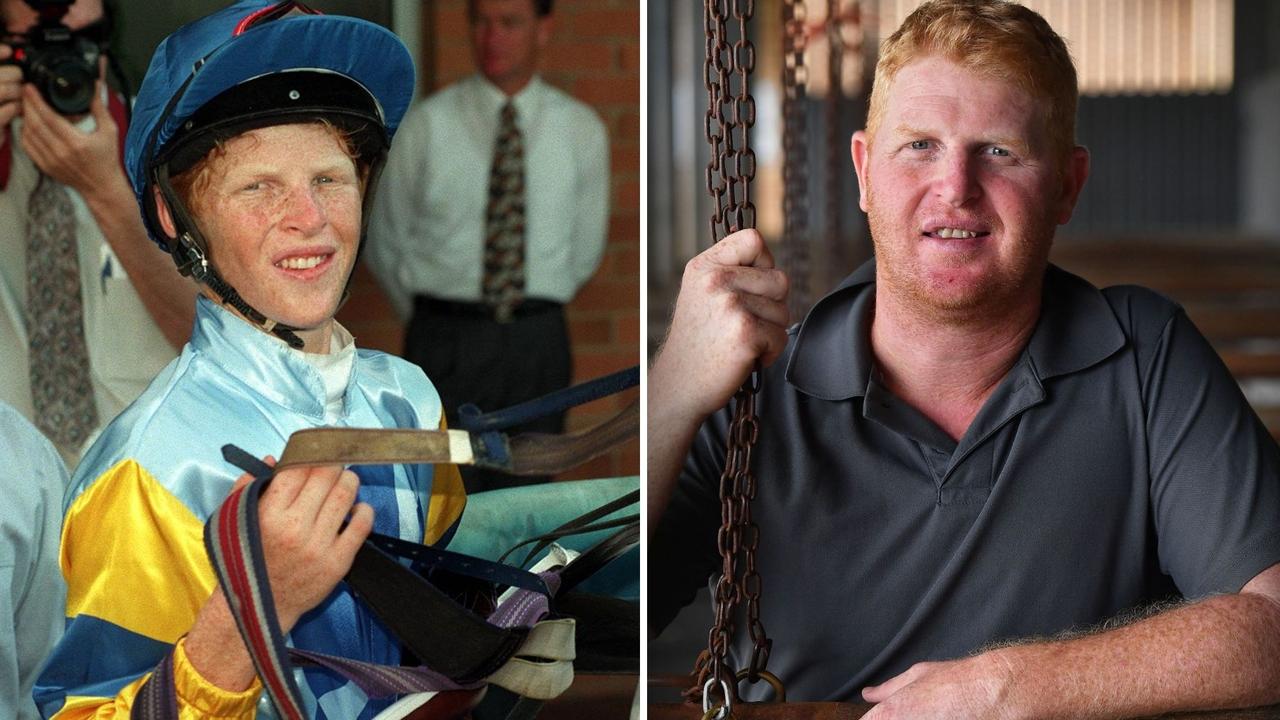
<point x="86" y="320"/>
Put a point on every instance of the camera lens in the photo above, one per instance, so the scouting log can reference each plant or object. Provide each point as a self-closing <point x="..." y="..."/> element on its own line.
<point x="69" y="86"/>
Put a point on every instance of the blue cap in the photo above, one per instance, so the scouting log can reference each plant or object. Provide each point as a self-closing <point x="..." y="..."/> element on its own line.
<point x="246" y="41"/>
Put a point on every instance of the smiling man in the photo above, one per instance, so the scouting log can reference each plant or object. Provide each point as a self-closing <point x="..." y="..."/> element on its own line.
<point x="256" y="134"/>
<point x="999" y="451"/>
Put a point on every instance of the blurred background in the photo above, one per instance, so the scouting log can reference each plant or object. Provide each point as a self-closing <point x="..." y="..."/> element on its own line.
<point x="1179" y="108"/>
<point x="594" y="55"/>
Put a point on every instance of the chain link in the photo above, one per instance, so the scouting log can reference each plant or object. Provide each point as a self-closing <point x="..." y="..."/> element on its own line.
<point x="731" y="113"/>
<point x="835" y="171"/>
<point x="795" y="154"/>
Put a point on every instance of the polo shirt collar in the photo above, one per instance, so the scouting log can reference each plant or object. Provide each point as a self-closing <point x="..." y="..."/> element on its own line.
<point x="831" y="354"/>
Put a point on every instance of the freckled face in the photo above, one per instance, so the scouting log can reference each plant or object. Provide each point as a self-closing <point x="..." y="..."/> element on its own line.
<point x="282" y="217"/>
<point x="961" y="188"/>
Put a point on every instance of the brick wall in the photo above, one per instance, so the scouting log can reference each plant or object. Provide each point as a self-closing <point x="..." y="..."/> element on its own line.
<point x="595" y="56"/>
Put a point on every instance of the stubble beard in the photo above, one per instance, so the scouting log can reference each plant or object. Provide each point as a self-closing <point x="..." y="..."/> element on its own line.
<point x="900" y="272"/>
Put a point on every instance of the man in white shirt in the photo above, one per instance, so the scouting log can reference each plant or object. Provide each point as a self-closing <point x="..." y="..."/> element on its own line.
<point x="499" y="157"/>
<point x="136" y="311"/>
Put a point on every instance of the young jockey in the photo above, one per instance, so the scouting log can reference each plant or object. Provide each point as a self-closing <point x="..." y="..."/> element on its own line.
<point x="257" y="134"/>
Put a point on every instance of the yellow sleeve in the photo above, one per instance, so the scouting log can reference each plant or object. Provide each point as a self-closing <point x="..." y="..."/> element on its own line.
<point x="137" y="575"/>
<point x="448" y="498"/>
<point x="199" y="698"/>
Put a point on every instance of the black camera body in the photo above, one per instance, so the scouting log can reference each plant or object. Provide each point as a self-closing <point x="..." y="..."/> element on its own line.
<point x="60" y="62"/>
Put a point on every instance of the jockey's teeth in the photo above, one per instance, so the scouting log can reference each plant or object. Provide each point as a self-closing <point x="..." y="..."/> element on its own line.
<point x="948" y="233"/>
<point x="300" y="263"/>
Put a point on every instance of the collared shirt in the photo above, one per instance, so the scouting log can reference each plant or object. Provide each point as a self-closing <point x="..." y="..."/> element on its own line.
<point x="132" y="547"/>
<point x="126" y="347"/>
<point x="426" y="235"/>
<point x="1115" y="465"/>
<point x="31" y="589"/>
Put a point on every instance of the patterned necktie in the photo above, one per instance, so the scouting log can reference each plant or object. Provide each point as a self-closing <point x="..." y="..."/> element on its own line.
<point x="503" y="283"/>
<point x="61" y="391"/>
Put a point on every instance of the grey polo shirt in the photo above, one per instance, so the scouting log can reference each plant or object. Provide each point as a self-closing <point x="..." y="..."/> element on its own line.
<point x="1117" y="464"/>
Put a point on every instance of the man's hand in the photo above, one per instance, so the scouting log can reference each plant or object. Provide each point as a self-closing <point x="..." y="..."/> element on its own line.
<point x="87" y="162"/>
<point x="307" y="551"/>
<point x="731" y="311"/>
<point x="955" y="690"/>
<point x="306" y="547"/>
<point x="10" y="88"/>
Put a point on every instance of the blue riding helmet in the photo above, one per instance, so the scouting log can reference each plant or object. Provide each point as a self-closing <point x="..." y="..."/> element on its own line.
<point x="254" y="64"/>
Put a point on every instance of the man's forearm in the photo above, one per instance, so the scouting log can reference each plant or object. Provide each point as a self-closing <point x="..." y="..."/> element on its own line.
<point x="215" y="649"/>
<point x="1218" y="653"/>
<point x="669" y="435"/>
<point x="168" y="297"/>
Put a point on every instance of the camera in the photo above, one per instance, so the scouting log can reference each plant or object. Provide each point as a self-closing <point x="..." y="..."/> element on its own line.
<point x="60" y="62"/>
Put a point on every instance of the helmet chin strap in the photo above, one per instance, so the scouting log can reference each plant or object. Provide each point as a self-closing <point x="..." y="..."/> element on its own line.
<point x="195" y="262"/>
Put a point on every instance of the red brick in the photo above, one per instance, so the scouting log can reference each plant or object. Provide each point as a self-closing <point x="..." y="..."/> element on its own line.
<point x="626" y="329"/>
<point x="602" y="22"/>
<point x="625" y="159"/>
<point x="590" y="56"/>
<point x="609" y="294"/>
<point x="623" y="225"/>
<point x="626" y="194"/>
<point x="591" y="364"/>
<point x="598" y="91"/>
<point x="451" y="21"/>
<point x="626" y="260"/>
<point x="453" y="67"/>
<point x="627" y="126"/>
<point x="589" y="330"/>
<point x="629" y="57"/>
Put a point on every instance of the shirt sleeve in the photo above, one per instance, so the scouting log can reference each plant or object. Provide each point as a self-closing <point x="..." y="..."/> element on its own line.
<point x="31" y="589"/>
<point x="682" y="549"/>
<point x="1214" y="468"/>
<point x="591" y="221"/>
<point x="395" y="202"/>
<point x="137" y="574"/>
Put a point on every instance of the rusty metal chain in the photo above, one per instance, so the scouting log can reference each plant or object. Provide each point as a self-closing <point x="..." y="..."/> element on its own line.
<point x="731" y="112"/>
<point x="835" y="160"/>
<point x="730" y="115"/>
<point x="795" y="155"/>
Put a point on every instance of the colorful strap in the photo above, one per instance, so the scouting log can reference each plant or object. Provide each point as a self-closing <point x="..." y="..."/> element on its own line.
<point x="234" y="542"/>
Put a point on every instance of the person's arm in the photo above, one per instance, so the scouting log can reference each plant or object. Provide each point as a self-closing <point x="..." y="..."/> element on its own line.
<point x="731" y="312"/>
<point x="591" y="217"/>
<point x="89" y="164"/>
<point x="122" y="528"/>
<point x="1216" y="653"/>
